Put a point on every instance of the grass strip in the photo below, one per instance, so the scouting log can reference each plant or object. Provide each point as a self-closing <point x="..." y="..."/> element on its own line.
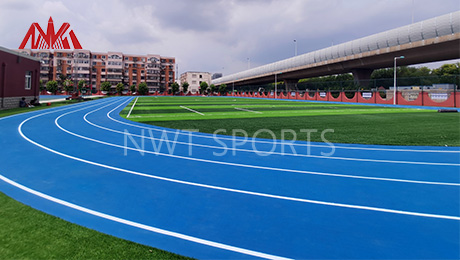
<point x="26" y="233"/>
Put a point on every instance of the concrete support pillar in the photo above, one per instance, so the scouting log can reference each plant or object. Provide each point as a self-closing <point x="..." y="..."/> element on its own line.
<point x="362" y="76"/>
<point x="291" y="84"/>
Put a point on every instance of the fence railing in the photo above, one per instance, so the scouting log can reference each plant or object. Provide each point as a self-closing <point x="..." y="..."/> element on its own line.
<point x="438" y="98"/>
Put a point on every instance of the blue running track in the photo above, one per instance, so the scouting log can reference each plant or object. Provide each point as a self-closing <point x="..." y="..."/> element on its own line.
<point x="195" y="198"/>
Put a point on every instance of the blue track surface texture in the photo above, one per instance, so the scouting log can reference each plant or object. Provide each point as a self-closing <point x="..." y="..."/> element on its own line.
<point x="362" y="202"/>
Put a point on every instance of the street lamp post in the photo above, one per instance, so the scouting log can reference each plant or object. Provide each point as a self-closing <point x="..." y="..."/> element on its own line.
<point x="394" y="82"/>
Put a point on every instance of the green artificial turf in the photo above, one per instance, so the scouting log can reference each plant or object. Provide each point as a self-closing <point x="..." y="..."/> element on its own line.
<point x="26" y="233"/>
<point x="350" y="123"/>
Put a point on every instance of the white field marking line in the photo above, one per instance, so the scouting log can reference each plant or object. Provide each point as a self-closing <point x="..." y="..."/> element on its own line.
<point x="247" y="110"/>
<point x="189" y="109"/>
<point x="275" y="153"/>
<point x="418" y="214"/>
<point x="132" y="108"/>
<point x="139" y="225"/>
<point x="311" y="156"/>
<point x="209" y="136"/>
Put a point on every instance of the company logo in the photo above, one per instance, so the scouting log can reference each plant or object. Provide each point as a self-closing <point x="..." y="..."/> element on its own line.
<point x="50" y="40"/>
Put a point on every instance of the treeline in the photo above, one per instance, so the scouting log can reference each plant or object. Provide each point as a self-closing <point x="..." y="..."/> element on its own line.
<point x="407" y="76"/>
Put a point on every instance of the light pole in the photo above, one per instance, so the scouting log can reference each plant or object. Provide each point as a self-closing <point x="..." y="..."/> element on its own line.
<point x="233" y="88"/>
<point x="394" y="82"/>
<point x="275" y="86"/>
<point x="295" y="44"/>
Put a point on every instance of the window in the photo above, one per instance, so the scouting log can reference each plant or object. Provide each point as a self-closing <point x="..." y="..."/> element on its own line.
<point x="28" y="82"/>
<point x="201" y="76"/>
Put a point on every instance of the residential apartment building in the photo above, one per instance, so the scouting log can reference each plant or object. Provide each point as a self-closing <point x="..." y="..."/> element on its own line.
<point x="194" y="79"/>
<point x="96" y="67"/>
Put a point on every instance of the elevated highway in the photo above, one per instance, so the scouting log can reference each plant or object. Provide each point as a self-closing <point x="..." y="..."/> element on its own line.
<point x="431" y="40"/>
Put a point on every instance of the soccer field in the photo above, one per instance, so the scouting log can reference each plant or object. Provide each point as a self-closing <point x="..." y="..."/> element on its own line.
<point x="350" y="123"/>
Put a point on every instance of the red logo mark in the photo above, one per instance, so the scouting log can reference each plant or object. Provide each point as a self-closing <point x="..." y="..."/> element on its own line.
<point x="50" y="40"/>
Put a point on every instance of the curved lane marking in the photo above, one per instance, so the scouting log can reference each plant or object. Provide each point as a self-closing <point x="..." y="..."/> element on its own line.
<point x="325" y="203"/>
<point x="270" y="152"/>
<point x="56" y="121"/>
<point x="141" y="226"/>
<point x="204" y="135"/>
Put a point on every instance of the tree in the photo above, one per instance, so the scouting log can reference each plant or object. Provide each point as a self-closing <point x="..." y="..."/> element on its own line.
<point x="132" y="89"/>
<point x="174" y="88"/>
<point x="120" y="87"/>
<point x="185" y="87"/>
<point x="60" y="80"/>
<point x="212" y="89"/>
<point x="68" y="85"/>
<point x="203" y="87"/>
<point x="142" y="89"/>
<point x="42" y="86"/>
<point x="105" y="86"/>
<point x="222" y="89"/>
<point x="52" y="86"/>
<point x="82" y="86"/>
<point x="448" y="70"/>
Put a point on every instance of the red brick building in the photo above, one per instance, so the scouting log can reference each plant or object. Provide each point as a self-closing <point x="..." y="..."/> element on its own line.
<point x="19" y="77"/>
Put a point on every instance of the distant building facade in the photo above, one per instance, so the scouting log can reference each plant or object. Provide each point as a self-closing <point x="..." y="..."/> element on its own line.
<point x="96" y="67"/>
<point x="19" y="77"/>
<point x="194" y="79"/>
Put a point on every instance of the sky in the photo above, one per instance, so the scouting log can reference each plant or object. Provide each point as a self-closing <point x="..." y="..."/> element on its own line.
<point x="225" y="36"/>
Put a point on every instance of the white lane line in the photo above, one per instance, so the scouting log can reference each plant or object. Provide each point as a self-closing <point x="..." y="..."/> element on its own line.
<point x="132" y="108"/>
<point x="247" y="110"/>
<point x="143" y="174"/>
<point x="66" y="107"/>
<point x="189" y="109"/>
<point x="418" y="214"/>
<point x="141" y="226"/>
<point x="247" y="165"/>
<point x="209" y="136"/>
<point x="233" y="164"/>
<point x="274" y="153"/>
